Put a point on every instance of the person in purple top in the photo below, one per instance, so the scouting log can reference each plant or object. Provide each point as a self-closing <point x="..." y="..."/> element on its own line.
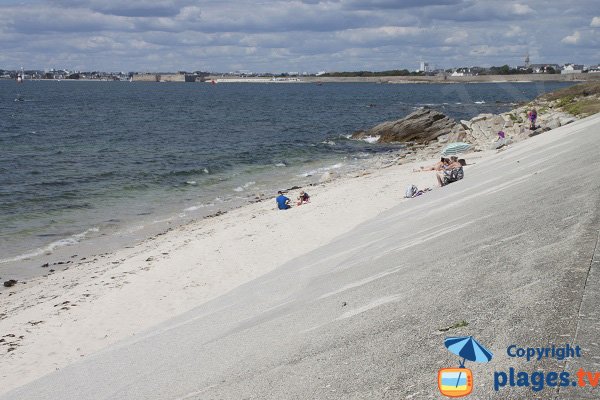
<point x="532" y="115"/>
<point x="283" y="203"/>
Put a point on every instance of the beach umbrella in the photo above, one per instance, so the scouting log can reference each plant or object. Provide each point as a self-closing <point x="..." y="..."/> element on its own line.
<point x="455" y="148"/>
<point x="468" y="348"/>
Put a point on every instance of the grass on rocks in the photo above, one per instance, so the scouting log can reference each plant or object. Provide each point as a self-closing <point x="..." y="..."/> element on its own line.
<point x="580" y="100"/>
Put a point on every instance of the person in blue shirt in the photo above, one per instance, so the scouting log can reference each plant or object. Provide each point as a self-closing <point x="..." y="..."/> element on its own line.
<point x="283" y="203"/>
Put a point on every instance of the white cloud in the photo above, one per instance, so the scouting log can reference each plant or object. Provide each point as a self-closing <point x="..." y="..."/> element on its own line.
<point x="521" y="9"/>
<point x="458" y="38"/>
<point x="572" y="39"/>
<point x="595" y="22"/>
<point x="514" y="31"/>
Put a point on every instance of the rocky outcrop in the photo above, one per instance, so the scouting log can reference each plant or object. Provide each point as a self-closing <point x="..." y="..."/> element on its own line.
<point x="426" y="131"/>
<point x="421" y="126"/>
<point x="482" y="131"/>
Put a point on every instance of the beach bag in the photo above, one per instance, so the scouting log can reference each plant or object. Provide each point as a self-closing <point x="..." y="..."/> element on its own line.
<point x="411" y="191"/>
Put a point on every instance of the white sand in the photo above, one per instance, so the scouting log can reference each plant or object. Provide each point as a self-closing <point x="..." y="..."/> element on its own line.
<point x="99" y="302"/>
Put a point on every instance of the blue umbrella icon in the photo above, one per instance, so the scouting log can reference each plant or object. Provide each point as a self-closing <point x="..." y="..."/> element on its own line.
<point x="469" y="349"/>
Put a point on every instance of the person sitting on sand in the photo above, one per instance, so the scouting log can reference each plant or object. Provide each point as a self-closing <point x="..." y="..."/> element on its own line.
<point x="454" y="172"/>
<point x="283" y="203"/>
<point x="303" y="198"/>
<point x="438" y="166"/>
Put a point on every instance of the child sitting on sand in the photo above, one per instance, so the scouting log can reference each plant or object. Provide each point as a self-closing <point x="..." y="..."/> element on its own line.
<point x="303" y="198"/>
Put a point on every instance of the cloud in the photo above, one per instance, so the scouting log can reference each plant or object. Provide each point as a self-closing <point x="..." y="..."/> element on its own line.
<point x="395" y="4"/>
<point x="513" y="31"/>
<point x="138" y="8"/>
<point x="572" y="39"/>
<point x="457" y="38"/>
<point x="521" y="9"/>
<point x="287" y="35"/>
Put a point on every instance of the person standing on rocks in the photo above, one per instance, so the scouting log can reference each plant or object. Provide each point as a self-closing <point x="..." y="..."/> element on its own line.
<point x="532" y="115"/>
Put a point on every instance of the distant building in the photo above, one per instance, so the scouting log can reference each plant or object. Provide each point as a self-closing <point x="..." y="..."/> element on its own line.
<point x="424" y="67"/>
<point x="572" y="69"/>
<point x="544" y="68"/>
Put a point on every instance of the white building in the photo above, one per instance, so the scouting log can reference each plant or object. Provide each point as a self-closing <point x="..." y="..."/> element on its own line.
<point x="572" y="69"/>
<point x="424" y="67"/>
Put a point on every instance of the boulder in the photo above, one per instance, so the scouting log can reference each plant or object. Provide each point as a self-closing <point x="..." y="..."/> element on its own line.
<point x="566" y="120"/>
<point x="553" y="123"/>
<point x="421" y="126"/>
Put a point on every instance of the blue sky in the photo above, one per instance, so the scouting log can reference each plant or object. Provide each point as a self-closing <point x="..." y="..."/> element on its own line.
<point x="303" y="35"/>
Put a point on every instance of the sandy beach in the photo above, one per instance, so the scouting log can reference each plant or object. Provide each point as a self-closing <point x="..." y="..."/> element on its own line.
<point x="56" y="320"/>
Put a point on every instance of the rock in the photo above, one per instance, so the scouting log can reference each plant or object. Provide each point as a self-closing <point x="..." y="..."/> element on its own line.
<point x="421" y="126"/>
<point x="10" y="283"/>
<point x="45" y="265"/>
<point x="465" y="124"/>
<point x="553" y="123"/>
<point x="443" y="138"/>
<point x="481" y="117"/>
<point x="566" y="120"/>
<point x="327" y="176"/>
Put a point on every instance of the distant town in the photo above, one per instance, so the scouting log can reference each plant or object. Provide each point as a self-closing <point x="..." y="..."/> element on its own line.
<point x="425" y="69"/>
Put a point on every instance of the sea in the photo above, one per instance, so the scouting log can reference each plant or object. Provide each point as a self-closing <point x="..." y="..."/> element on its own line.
<point x="96" y="163"/>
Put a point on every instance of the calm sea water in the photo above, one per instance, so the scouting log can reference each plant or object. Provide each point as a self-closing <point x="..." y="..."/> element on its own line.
<point x="81" y="160"/>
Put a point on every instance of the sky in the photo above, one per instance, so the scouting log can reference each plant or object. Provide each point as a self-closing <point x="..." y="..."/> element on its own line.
<point x="294" y="36"/>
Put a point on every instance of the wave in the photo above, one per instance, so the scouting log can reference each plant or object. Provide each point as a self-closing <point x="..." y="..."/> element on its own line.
<point x="71" y="240"/>
<point x="321" y="170"/>
<point x="187" y="172"/>
<point x="244" y="187"/>
<point x="199" y="206"/>
<point x="371" y="139"/>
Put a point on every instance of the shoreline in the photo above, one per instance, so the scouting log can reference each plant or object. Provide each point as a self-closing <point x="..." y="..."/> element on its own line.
<point x="67" y="251"/>
<point x="520" y="78"/>
<point x="526" y="78"/>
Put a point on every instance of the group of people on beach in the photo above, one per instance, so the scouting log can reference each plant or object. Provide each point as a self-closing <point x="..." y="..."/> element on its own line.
<point x="283" y="202"/>
<point x="451" y="170"/>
